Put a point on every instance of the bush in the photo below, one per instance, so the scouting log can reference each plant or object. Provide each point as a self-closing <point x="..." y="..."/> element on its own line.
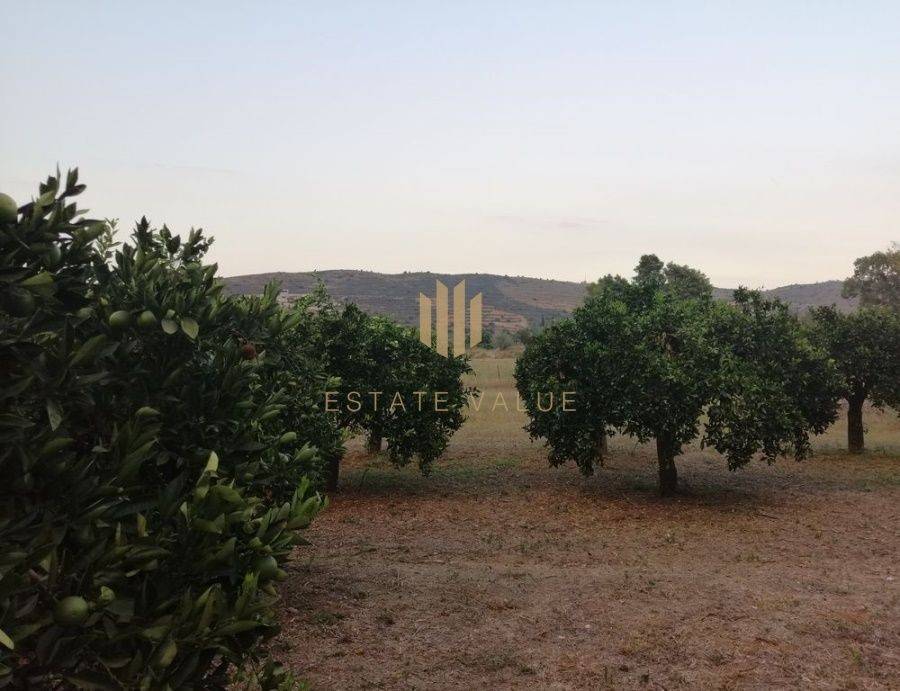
<point x="503" y="340"/>
<point x="153" y="493"/>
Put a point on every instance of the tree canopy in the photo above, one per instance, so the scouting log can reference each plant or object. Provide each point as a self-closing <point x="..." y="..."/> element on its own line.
<point x="865" y="345"/>
<point x="384" y="380"/>
<point x="876" y="279"/>
<point x="647" y="361"/>
<point x="652" y="274"/>
<point x="154" y="469"/>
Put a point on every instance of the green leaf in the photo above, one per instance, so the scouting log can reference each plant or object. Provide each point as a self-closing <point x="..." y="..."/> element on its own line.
<point x="54" y="414"/>
<point x="6" y="640"/>
<point x="55" y="445"/>
<point x="190" y="327"/>
<point x="88" y="349"/>
<point x="38" y="280"/>
<point x="212" y="463"/>
<point x="229" y="494"/>
<point x="133" y="460"/>
<point x="17" y="388"/>
<point x="156" y="633"/>
<point x="12" y="420"/>
<point x="237" y="627"/>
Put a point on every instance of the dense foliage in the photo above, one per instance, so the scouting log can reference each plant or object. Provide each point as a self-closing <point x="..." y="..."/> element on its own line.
<point x="162" y="443"/>
<point x="652" y="274"/>
<point x="866" y="347"/>
<point x="152" y="461"/>
<point x="876" y="279"/>
<point x="645" y="360"/>
<point x="387" y="384"/>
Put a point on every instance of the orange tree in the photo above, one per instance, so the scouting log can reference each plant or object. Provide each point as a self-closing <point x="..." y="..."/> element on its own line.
<point x="865" y="346"/>
<point x="150" y="498"/>
<point x="383" y="381"/>
<point x="645" y="360"/>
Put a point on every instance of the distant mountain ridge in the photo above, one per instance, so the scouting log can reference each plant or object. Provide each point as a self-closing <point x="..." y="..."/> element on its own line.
<point x="510" y="302"/>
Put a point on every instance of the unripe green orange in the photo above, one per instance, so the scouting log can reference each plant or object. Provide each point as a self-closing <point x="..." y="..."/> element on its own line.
<point x="71" y="611"/>
<point x="147" y="319"/>
<point x="53" y="256"/>
<point x="267" y="568"/>
<point x="9" y="211"/>
<point x="120" y="319"/>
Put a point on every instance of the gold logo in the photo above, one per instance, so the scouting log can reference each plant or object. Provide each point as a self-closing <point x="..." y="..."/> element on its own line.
<point x="441" y="312"/>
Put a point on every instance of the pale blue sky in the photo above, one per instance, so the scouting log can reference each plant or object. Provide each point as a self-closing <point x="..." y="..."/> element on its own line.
<point x="757" y="141"/>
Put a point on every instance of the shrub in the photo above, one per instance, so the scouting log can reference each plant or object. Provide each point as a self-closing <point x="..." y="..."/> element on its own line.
<point x="503" y="340"/>
<point x="151" y="497"/>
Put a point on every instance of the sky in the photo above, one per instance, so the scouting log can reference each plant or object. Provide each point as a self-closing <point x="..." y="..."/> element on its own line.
<point x="756" y="141"/>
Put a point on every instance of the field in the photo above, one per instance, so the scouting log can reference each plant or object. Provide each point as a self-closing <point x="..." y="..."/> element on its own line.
<point x="498" y="571"/>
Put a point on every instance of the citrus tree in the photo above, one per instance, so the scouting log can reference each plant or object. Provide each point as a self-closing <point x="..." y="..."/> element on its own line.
<point x="865" y="345"/>
<point x="876" y="279"/>
<point x="385" y="383"/>
<point x="646" y="361"/>
<point x="564" y="358"/>
<point x="151" y="500"/>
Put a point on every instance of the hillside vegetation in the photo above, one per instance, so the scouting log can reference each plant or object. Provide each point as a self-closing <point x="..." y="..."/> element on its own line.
<point x="511" y="302"/>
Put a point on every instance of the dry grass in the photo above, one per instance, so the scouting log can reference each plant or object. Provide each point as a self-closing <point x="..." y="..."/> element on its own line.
<point x="501" y="572"/>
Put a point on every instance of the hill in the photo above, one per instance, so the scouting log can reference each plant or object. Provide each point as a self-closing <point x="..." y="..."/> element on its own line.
<point x="510" y="302"/>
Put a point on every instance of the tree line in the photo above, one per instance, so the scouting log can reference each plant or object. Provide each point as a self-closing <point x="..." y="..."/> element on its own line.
<point x="656" y="358"/>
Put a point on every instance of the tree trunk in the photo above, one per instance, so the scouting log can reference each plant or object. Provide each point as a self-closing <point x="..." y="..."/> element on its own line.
<point x="373" y="443"/>
<point x="855" y="432"/>
<point x="601" y="446"/>
<point x="668" y="473"/>
<point x="334" y="469"/>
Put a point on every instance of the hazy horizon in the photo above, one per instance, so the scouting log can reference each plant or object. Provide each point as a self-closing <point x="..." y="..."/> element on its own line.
<point x="757" y="143"/>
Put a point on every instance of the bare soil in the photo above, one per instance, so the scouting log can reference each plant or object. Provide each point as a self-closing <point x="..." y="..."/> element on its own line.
<point x="500" y="572"/>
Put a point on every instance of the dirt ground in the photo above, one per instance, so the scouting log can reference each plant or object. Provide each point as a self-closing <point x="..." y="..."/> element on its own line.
<point x="498" y="571"/>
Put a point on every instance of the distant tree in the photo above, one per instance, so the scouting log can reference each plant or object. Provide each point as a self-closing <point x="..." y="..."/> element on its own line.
<point x="487" y="340"/>
<point x="365" y="354"/>
<point x="650" y="363"/>
<point x="876" y="279"/>
<point x="685" y="282"/>
<point x="866" y="347"/>
<point x="524" y="335"/>
<point x="503" y="340"/>
<point x="649" y="271"/>
<point x="651" y="274"/>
